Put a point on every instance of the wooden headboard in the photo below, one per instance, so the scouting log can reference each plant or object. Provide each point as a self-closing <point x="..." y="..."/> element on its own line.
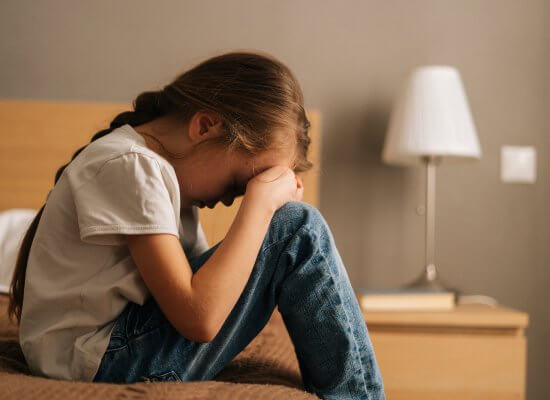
<point x="40" y="136"/>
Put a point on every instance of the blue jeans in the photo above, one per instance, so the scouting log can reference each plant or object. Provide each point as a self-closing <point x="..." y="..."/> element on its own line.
<point x="298" y="269"/>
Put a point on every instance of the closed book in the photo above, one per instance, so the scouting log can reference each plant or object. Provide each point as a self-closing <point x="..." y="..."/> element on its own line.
<point x="399" y="299"/>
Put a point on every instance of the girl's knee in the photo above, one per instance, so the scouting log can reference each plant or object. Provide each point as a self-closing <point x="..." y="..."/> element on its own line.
<point x="295" y="214"/>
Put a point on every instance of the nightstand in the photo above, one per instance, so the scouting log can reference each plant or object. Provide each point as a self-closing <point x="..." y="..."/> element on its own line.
<point x="471" y="352"/>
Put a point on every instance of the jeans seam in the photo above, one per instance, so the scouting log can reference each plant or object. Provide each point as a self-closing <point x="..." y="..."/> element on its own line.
<point x="279" y="241"/>
<point x="115" y="349"/>
<point x="355" y="344"/>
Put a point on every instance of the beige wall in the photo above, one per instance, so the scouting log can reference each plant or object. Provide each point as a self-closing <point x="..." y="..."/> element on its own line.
<point x="351" y="57"/>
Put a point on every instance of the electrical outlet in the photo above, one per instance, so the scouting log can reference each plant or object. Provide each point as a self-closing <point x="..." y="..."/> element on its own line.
<point x="518" y="164"/>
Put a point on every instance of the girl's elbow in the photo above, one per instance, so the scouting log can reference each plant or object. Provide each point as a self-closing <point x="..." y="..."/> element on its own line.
<point x="203" y="330"/>
<point x="209" y="333"/>
<point x="196" y="335"/>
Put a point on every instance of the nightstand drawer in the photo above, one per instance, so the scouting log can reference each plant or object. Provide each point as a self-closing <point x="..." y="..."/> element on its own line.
<point x="471" y="352"/>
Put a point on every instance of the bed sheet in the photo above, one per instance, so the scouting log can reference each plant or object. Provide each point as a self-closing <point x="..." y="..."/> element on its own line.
<point x="266" y="368"/>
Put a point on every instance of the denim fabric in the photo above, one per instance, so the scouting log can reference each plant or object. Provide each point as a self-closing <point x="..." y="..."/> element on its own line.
<point x="299" y="269"/>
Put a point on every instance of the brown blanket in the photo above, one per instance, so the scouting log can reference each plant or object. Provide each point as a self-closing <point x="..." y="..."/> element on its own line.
<point x="266" y="368"/>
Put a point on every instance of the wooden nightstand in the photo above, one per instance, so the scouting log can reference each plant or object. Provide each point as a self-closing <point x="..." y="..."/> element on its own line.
<point x="471" y="352"/>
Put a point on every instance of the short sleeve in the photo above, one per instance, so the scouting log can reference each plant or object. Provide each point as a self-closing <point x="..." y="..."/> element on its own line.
<point x="128" y="195"/>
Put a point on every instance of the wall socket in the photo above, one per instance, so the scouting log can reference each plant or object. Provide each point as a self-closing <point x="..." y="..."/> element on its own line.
<point x="518" y="164"/>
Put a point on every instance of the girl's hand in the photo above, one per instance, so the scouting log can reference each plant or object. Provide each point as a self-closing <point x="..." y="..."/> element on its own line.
<point x="274" y="187"/>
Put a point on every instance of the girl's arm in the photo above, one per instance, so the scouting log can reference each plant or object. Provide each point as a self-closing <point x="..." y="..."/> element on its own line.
<point x="198" y="305"/>
<point x="221" y="280"/>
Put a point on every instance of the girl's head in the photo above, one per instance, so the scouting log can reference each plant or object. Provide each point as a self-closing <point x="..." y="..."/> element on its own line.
<point x="207" y="167"/>
<point x="239" y="113"/>
<point x="228" y="118"/>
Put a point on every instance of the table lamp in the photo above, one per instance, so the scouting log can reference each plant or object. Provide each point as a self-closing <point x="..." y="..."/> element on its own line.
<point x="431" y="122"/>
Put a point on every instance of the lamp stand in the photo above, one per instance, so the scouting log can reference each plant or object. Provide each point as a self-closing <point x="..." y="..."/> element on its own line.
<point x="429" y="279"/>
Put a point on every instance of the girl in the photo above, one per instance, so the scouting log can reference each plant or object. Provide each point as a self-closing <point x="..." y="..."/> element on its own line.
<point x="114" y="281"/>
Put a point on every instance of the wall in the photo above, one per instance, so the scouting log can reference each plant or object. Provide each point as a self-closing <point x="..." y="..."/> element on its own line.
<point x="351" y="58"/>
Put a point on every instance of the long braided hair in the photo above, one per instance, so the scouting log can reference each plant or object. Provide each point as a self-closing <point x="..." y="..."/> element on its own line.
<point x="255" y="94"/>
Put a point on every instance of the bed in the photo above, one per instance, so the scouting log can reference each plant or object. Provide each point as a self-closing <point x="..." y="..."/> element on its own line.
<point x="37" y="138"/>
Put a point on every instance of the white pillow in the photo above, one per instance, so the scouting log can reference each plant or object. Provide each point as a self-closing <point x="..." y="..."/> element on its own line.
<point x="14" y="223"/>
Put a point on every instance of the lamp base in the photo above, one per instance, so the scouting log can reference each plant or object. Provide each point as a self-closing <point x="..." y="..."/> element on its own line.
<point x="428" y="280"/>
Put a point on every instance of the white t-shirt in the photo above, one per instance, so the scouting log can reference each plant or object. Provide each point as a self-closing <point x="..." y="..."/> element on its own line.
<point x="80" y="274"/>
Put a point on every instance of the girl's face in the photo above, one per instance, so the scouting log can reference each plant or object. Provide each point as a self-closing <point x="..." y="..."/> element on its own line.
<point x="207" y="174"/>
<point x="211" y="175"/>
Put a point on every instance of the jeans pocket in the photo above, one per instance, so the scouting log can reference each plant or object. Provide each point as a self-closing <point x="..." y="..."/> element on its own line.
<point x="119" y="338"/>
<point x="170" y="376"/>
<point x="116" y="342"/>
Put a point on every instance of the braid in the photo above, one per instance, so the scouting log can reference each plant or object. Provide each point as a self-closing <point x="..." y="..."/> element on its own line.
<point x="147" y="106"/>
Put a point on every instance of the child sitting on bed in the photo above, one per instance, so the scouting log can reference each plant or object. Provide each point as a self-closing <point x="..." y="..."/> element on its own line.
<point x="115" y="282"/>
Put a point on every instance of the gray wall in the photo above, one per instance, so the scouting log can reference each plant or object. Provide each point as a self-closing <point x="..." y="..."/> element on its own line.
<point x="350" y="57"/>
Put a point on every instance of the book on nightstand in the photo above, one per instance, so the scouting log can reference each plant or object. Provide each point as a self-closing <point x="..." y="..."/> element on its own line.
<point x="399" y="299"/>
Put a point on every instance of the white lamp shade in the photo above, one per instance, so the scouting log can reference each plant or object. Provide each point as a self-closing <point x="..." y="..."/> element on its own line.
<point x="431" y="118"/>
